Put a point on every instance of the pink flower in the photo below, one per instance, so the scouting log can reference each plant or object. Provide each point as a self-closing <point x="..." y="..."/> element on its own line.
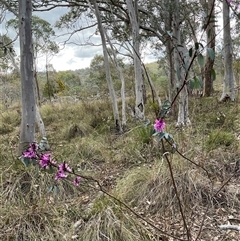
<point x="159" y="125"/>
<point x="45" y="160"/>
<point x="229" y="1"/>
<point x="60" y="175"/>
<point x="31" y="152"/>
<point x="76" y="181"/>
<point x="62" y="169"/>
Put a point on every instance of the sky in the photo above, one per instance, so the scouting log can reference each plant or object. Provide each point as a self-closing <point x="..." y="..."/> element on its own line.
<point x="75" y="54"/>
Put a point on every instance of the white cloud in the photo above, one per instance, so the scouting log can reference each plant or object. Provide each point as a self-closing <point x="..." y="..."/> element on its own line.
<point x="65" y="60"/>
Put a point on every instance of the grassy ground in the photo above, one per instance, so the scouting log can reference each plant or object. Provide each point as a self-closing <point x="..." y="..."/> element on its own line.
<point x="129" y="167"/>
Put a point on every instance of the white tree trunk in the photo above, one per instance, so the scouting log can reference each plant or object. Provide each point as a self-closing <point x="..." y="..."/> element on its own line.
<point x="119" y="69"/>
<point x="139" y="84"/>
<point x="39" y="120"/>
<point x="228" y="84"/>
<point x="107" y="69"/>
<point x="181" y="66"/>
<point x="27" y="131"/>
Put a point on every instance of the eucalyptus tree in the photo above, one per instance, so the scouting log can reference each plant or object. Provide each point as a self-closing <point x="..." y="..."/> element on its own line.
<point x="209" y="25"/>
<point x="228" y="84"/>
<point x="107" y="67"/>
<point x="135" y="34"/>
<point x="27" y="130"/>
<point x="181" y="64"/>
<point x="14" y="8"/>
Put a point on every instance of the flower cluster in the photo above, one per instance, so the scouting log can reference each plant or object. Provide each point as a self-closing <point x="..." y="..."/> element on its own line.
<point x="45" y="161"/>
<point x="159" y="125"/>
<point x="31" y="152"/>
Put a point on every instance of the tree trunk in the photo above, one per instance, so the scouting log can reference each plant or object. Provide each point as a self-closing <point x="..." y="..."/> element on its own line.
<point x="210" y="30"/>
<point x="107" y="69"/>
<point x="27" y="131"/>
<point x="228" y="84"/>
<point x="181" y="66"/>
<point x="121" y="76"/>
<point x="169" y="10"/>
<point x="139" y="84"/>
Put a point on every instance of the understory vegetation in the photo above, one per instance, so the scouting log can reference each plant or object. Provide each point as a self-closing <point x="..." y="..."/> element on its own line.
<point x="131" y="167"/>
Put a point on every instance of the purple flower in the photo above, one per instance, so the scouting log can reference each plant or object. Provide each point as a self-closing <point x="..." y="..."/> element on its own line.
<point x="159" y="125"/>
<point x="76" y="181"/>
<point x="44" y="160"/>
<point x="60" y="175"/>
<point x="31" y="152"/>
<point x="62" y="169"/>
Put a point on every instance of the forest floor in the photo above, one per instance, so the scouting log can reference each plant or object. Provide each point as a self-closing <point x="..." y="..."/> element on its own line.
<point x="130" y="190"/>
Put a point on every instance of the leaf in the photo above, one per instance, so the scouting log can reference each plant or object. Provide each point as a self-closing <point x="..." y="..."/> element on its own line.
<point x="190" y="52"/>
<point x="147" y="123"/>
<point x="161" y="135"/>
<point x="155" y="133"/>
<point x="166" y="104"/>
<point x="26" y="161"/>
<point x="211" y="53"/>
<point x="169" y="33"/>
<point x="196" y="45"/>
<point x="56" y="189"/>
<point x="43" y="145"/>
<point x="165" y="108"/>
<point x="196" y="83"/>
<point x="200" y="60"/>
<point x="213" y="74"/>
<point x="50" y="189"/>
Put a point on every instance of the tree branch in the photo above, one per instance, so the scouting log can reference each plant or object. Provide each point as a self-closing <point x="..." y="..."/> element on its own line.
<point x="232" y="227"/>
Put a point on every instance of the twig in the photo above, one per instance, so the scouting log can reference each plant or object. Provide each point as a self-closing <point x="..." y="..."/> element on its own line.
<point x="232" y="227"/>
<point x="177" y="195"/>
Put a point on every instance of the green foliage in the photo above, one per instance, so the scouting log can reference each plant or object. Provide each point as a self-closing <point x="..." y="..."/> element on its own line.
<point x="165" y="108"/>
<point x="196" y="83"/>
<point x="211" y="53"/>
<point x="200" y="59"/>
<point x="145" y="134"/>
<point x="49" y="89"/>
<point x="219" y="138"/>
<point x="70" y="79"/>
<point x="42" y="33"/>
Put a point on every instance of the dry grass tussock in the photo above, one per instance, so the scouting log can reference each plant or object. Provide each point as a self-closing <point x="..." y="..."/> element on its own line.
<point x="130" y="167"/>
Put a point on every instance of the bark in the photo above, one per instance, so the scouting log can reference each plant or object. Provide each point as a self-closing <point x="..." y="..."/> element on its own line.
<point x="139" y="84"/>
<point x="107" y="69"/>
<point x="210" y="30"/>
<point x="228" y="84"/>
<point x="121" y="76"/>
<point x="170" y="57"/>
<point x="27" y="131"/>
<point x="181" y="67"/>
<point x="38" y="119"/>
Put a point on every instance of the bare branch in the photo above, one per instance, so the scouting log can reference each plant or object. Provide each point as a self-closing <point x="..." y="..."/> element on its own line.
<point x="232" y="227"/>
